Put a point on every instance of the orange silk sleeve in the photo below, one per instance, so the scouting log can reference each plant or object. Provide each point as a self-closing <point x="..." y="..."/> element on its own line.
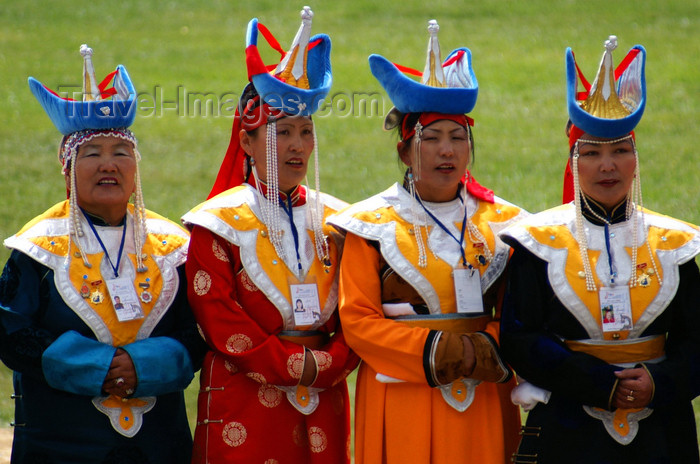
<point x="389" y="347"/>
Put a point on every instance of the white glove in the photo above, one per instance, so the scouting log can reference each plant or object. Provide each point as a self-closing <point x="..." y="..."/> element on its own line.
<point x="527" y="395"/>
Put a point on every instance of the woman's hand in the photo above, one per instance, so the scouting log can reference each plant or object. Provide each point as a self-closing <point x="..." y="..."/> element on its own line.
<point x="310" y="371"/>
<point x="121" y="377"/>
<point x="634" y="390"/>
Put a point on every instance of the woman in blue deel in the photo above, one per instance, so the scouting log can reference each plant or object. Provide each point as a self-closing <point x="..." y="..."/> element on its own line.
<point x="94" y="318"/>
<point x="602" y="312"/>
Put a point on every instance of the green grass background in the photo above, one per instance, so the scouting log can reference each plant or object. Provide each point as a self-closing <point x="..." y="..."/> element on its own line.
<point x="196" y="46"/>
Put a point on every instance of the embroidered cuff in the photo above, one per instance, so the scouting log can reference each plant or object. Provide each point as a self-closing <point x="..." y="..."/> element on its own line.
<point x="449" y="363"/>
<point x="429" y="357"/>
<point x="162" y="365"/>
<point x="77" y="364"/>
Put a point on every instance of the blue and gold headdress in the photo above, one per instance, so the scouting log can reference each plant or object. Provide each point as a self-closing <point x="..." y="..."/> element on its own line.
<point x="608" y="110"/>
<point x="448" y="88"/>
<point x="100" y="112"/>
<point x="296" y="86"/>
<point x="99" y="108"/>
<point x="613" y="105"/>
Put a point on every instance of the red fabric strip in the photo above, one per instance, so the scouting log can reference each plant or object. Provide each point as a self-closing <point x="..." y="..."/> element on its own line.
<point x="408" y="70"/>
<point x="54" y="93"/>
<point x="584" y="81"/>
<point x="626" y="62"/>
<point x="477" y="190"/>
<point x="254" y="62"/>
<point x="104" y="92"/>
<point x="457" y="56"/>
<point x="270" y="39"/>
<point x="106" y="81"/>
<point x="428" y="118"/>
<point x="314" y="43"/>
<point x="231" y="173"/>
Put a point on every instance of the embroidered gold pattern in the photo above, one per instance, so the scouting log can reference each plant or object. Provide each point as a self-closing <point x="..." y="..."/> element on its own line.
<point x="295" y="365"/>
<point x="238" y="343"/>
<point x="201" y="283"/>
<point x="219" y="251"/>
<point x="232" y="368"/>
<point x="234" y="434"/>
<point x="317" y="440"/>
<point x="323" y="359"/>
<point x="269" y="396"/>
<point x="257" y="377"/>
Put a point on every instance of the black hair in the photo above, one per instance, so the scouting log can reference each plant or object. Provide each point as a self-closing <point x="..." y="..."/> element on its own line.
<point x="249" y="93"/>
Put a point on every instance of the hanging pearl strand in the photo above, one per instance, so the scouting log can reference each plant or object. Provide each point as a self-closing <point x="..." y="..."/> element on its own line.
<point x="68" y="155"/>
<point x="140" y="227"/>
<point x="320" y="240"/>
<point x="75" y="227"/>
<point x="634" y="210"/>
<point x="580" y="233"/>
<point x="416" y="213"/>
<point x="475" y="235"/>
<point x="270" y="206"/>
<point x="419" y="215"/>
<point x="639" y="214"/>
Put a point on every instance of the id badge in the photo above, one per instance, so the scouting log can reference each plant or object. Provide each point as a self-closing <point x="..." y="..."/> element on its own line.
<point x="615" y="308"/>
<point x="467" y="283"/>
<point x="305" y="303"/>
<point x="124" y="299"/>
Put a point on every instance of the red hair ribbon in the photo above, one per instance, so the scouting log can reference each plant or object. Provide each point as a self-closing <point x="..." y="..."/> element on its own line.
<point x="253" y="59"/>
<point x="232" y="171"/>
<point x="425" y="119"/>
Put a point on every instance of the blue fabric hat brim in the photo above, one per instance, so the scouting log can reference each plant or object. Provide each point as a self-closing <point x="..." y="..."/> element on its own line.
<point x="293" y="100"/>
<point x="71" y="115"/>
<point x="609" y="128"/>
<point x="410" y="96"/>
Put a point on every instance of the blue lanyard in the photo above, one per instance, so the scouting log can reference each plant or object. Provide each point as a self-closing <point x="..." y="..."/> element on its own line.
<point x="459" y="241"/>
<point x="295" y="232"/>
<point x="121" y="245"/>
<point x="613" y="272"/>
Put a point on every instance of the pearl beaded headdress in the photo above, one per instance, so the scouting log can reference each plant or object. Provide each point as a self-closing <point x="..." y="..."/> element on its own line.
<point x="67" y="154"/>
<point x="633" y="211"/>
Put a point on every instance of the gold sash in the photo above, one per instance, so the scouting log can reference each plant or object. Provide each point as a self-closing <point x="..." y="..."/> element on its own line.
<point x="620" y="352"/>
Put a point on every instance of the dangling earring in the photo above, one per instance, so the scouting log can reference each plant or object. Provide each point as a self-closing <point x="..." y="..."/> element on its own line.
<point x="417" y="139"/>
<point x="416" y="213"/>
